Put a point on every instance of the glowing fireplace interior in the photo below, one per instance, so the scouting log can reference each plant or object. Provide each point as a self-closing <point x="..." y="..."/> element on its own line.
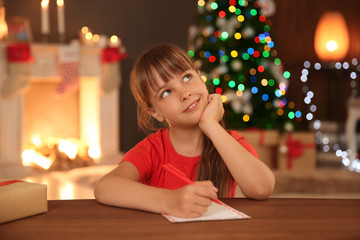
<point x="54" y="136"/>
<point x="43" y="130"/>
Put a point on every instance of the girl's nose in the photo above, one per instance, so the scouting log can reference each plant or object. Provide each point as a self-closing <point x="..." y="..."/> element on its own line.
<point x="185" y="95"/>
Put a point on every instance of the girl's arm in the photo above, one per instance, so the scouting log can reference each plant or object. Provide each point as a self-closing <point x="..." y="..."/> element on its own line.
<point x="121" y="188"/>
<point x="254" y="178"/>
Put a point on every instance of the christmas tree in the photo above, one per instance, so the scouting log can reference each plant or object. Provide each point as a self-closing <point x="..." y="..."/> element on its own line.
<point x="233" y="48"/>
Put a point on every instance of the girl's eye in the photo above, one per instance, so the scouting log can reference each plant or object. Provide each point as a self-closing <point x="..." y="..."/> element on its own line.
<point x="165" y="94"/>
<point x="187" y="78"/>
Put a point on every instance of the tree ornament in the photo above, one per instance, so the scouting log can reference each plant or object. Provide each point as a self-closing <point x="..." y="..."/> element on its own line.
<point x="268" y="7"/>
<point x="248" y="32"/>
<point x="236" y="65"/>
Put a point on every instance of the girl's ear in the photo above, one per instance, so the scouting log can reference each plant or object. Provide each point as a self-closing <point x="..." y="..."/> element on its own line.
<point x="155" y="114"/>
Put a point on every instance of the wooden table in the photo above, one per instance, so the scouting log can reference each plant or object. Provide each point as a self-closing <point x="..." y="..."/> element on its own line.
<point x="275" y="218"/>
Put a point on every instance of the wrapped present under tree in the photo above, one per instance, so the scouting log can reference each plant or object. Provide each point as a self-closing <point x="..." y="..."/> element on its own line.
<point x="297" y="151"/>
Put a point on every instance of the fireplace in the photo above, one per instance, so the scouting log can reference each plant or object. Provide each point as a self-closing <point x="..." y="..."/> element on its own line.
<point x="88" y="115"/>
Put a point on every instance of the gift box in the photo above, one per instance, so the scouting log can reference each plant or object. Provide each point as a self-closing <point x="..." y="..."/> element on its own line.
<point x="297" y="151"/>
<point x="265" y="142"/>
<point x="20" y="199"/>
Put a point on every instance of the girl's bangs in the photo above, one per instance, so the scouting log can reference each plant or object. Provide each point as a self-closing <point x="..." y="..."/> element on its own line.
<point x="166" y="67"/>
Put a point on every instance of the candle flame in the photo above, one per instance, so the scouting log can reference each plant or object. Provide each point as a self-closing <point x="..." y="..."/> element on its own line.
<point x="88" y="36"/>
<point x="44" y="3"/>
<point x="60" y="3"/>
<point x="114" y="38"/>
<point x="84" y="29"/>
<point x="96" y="37"/>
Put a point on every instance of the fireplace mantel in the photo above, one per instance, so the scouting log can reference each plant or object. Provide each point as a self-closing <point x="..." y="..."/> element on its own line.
<point x="104" y="113"/>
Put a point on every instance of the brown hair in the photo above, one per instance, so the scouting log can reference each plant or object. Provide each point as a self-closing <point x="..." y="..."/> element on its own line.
<point x="167" y="61"/>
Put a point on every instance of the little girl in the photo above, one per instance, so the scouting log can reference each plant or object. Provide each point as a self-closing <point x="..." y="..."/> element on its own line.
<point x="171" y="93"/>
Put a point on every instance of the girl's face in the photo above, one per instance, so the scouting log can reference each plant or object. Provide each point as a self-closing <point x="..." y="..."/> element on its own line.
<point x="181" y="101"/>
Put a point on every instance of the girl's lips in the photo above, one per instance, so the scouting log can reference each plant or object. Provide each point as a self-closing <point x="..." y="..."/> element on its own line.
<point x="192" y="106"/>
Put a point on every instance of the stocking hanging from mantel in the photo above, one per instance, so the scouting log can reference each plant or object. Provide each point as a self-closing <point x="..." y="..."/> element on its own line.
<point x="111" y="78"/>
<point x="18" y="72"/>
<point x="68" y="70"/>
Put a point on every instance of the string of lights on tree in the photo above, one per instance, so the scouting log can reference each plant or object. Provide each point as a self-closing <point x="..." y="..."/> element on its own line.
<point x="321" y="140"/>
<point x="235" y="52"/>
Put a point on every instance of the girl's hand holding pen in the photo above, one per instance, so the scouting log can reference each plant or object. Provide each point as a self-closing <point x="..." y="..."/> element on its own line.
<point x="191" y="200"/>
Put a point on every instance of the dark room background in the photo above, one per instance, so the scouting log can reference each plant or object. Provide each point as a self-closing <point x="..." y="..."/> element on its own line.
<point x="143" y="23"/>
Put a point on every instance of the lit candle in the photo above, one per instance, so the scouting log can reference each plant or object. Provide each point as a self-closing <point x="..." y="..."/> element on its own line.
<point x="84" y="29"/>
<point x="45" y="28"/>
<point x="88" y="38"/>
<point x="82" y="33"/>
<point x="96" y="38"/>
<point x="114" y="41"/>
<point x="61" y="17"/>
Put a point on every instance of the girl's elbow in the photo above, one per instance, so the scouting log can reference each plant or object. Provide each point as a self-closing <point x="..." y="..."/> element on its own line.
<point x="264" y="190"/>
<point x="261" y="192"/>
<point x="259" y="195"/>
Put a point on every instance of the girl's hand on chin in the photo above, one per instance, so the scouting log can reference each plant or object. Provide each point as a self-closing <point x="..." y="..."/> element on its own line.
<point x="214" y="111"/>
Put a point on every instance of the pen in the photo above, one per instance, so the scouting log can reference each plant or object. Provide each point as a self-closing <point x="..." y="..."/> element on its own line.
<point x="182" y="176"/>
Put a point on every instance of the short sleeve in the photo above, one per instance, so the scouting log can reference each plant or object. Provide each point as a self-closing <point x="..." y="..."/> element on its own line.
<point x="143" y="157"/>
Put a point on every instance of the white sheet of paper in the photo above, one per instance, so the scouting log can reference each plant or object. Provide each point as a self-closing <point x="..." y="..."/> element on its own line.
<point x="214" y="212"/>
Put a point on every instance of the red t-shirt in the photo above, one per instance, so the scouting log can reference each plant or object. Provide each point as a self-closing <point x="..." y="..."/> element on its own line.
<point x="150" y="154"/>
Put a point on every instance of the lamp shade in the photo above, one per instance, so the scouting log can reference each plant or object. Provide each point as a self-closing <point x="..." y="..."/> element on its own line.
<point x="331" y="40"/>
